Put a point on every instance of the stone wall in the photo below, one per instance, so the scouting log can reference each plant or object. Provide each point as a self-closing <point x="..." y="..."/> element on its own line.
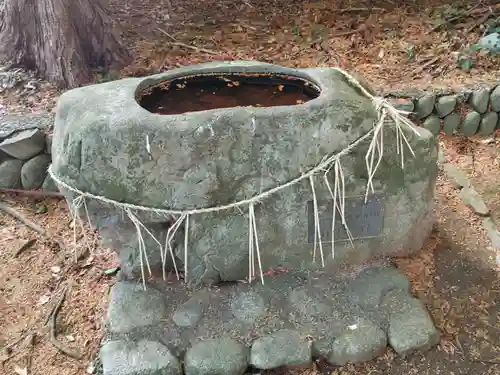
<point x="25" y="148"/>
<point x="469" y="112"/>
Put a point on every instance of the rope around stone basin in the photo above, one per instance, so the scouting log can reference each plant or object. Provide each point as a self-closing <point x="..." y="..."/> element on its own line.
<point x="375" y="151"/>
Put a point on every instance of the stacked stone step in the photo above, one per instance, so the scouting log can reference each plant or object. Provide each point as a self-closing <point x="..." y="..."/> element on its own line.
<point x="25" y="149"/>
<point x="467" y="112"/>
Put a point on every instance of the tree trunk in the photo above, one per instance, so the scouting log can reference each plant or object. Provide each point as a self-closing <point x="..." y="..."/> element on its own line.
<point x="63" y="40"/>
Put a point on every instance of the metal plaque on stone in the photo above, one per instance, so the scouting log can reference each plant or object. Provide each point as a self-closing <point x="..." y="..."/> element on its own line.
<point x="364" y="219"/>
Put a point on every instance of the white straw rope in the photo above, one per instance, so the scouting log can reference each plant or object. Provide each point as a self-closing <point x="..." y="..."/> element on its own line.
<point x="256" y="199"/>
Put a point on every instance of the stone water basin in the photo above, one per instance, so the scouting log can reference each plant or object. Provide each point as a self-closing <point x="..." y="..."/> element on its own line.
<point x="212" y="134"/>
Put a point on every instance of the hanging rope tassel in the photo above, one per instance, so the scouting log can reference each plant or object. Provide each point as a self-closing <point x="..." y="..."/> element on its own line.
<point x="317" y="226"/>
<point x="168" y="244"/>
<point x="186" y="238"/>
<point x="142" y="247"/>
<point x="253" y="245"/>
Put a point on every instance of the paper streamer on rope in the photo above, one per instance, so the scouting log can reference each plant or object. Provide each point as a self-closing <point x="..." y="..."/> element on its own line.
<point x="373" y="159"/>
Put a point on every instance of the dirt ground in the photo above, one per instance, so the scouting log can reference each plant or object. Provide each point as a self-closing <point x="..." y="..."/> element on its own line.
<point x="394" y="46"/>
<point x="480" y="160"/>
<point x="454" y="275"/>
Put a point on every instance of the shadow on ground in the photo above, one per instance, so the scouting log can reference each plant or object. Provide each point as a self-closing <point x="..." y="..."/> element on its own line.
<point x="464" y="303"/>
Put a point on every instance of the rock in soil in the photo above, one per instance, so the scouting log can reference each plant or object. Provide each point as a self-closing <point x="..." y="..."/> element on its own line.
<point x="457" y="178"/>
<point x="131" y="307"/>
<point x="479" y="100"/>
<point x="219" y="356"/>
<point x="361" y="342"/>
<point x="472" y="198"/>
<point x="34" y="172"/>
<point x="432" y="124"/>
<point x="470" y="124"/>
<point x="138" y="358"/>
<point x="189" y="313"/>
<point x="25" y="144"/>
<point x="10" y="174"/>
<point x="492" y="231"/>
<point x="49" y="184"/>
<point x="425" y="105"/>
<point x="495" y="99"/>
<point x="11" y="124"/>
<point x="445" y="105"/>
<point x="451" y="123"/>
<point x="488" y="124"/>
<point x="410" y="326"/>
<point x="283" y="348"/>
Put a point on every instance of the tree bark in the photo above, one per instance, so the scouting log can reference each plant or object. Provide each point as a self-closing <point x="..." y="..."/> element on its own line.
<point x="63" y="40"/>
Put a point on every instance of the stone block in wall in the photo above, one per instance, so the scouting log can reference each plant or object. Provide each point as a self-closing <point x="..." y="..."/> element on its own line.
<point x="425" y="105"/>
<point x="405" y="104"/>
<point x="488" y="123"/>
<point x="48" y="144"/>
<point x="10" y="174"/>
<point x="131" y="307"/>
<point x="49" y="184"/>
<point x="457" y="178"/>
<point x="470" y="124"/>
<point x="23" y="136"/>
<point x="11" y="124"/>
<point x="479" y="100"/>
<point x="445" y="105"/>
<point x="451" y="123"/>
<point x="24" y="144"/>
<point x="34" y="171"/>
<point x="3" y="156"/>
<point x="472" y="199"/>
<point x="432" y="124"/>
<point x="495" y="99"/>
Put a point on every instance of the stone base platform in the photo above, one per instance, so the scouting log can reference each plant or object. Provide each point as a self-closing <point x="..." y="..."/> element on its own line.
<point x="290" y="320"/>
